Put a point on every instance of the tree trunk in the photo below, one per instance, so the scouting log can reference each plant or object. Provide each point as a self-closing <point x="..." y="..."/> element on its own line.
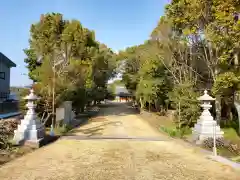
<point x="237" y="106"/>
<point x="218" y="109"/>
<point x="141" y="103"/>
<point x="218" y="101"/>
<point x="236" y="59"/>
<point x="157" y="106"/>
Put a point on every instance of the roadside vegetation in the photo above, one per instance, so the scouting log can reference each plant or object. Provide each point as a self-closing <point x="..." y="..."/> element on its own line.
<point x="195" y="46"/>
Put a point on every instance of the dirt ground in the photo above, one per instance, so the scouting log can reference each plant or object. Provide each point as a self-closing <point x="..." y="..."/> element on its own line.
<point x="116" y="159"/>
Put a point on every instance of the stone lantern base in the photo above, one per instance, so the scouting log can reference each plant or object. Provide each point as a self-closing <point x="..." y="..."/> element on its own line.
<point x="29" y="132"/>
<point x="205" y="129"/>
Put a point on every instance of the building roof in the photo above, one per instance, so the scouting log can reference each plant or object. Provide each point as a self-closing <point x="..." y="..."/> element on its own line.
<point x="6" y="60"/>
<point x="120" y="90"/>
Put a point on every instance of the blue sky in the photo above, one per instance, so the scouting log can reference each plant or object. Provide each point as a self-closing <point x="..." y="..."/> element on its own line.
<point x="117" y="23"/>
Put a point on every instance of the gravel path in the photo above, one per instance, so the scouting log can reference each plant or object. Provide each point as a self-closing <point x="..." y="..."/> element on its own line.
<point x="112" y="159"/>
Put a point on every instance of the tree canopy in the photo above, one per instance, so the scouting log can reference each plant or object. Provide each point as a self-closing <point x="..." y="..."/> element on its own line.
<point x="194" y="46"/>
<point x="82" y="64"/>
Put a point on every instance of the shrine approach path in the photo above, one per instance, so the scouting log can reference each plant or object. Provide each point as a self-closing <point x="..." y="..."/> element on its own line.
<point x="116" y="145"/>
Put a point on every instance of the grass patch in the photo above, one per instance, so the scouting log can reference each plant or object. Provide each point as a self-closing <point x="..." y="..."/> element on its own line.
<point x="156" y="121"/>
<point x="226" y="153"/>
<point x="236" y="159"/>
<point x="167" y="126"/>
<point x="174" y="132"/>
<point x="231" y="134"/>
<point x="230" y="145"/>
<point x="60" y="130"/>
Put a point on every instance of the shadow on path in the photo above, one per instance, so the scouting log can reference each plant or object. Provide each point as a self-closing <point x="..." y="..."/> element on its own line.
<point x="98" y="124"/>
<point x="82" y="137"/>
<point x="48" y="140"/>
<point x="109" y="109"/>
<point x="93" y="131"/>
<point x="118" y="109"/>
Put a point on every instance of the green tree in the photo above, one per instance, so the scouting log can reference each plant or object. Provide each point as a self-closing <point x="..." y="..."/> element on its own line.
<point x="82" y="65"/>
<point x="212" y="30"/>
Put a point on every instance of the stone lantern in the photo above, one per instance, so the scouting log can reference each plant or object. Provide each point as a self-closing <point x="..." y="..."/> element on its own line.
<point x="30" y="131"/>
<point x="206" y="127"/>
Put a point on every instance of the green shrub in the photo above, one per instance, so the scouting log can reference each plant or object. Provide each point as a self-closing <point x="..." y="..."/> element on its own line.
<point x="184" y="100"/>
<point x="174" y="132"/>
<point x="64" y="129"/>
<point x="7" y="128"/>
<point x="4" y="141"/>
<point x="185" y="131"/>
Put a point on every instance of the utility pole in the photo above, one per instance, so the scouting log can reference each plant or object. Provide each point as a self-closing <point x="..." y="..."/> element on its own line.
<point x="53" y="97"/>
<point x="179" y="114"/>
<point x="60" y="59"/>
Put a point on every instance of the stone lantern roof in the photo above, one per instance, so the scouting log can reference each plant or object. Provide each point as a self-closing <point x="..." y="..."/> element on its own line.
<point x="206" y="97"/>
<point x="31" y="96"/>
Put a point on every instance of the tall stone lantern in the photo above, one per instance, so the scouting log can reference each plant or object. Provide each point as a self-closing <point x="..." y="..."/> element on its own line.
<point x="31" y="131"/>
<point x="206" y="127"/>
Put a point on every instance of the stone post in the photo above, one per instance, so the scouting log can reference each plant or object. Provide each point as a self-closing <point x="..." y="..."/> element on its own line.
<point x="237" y="106"/>
<point x="30" y="131"/>
<point x="67" y="112"/>
<point x="206" y="127"/>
